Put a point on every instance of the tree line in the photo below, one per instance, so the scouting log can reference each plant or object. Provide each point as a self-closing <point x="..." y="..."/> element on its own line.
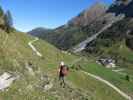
<point x="6" y="20"/>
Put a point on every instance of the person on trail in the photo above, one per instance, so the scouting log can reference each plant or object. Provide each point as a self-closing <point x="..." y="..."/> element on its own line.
<point x="63" y="71"/>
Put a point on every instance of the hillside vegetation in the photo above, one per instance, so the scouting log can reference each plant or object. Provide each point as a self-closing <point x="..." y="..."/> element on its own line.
<point x="38" y="76"/>
<point x="16" y="53"/>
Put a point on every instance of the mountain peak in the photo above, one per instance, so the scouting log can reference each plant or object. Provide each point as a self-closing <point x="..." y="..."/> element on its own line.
<point x="88" y="15"/>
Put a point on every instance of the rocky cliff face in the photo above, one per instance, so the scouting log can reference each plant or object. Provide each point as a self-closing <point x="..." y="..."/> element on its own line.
<point x="119" y="31"/>
<point x="89" y="15"/>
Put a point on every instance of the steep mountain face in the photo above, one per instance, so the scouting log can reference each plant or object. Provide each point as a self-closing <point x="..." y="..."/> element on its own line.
<point x="120" y="30"/>
<point x="117" y="40"/>
<point x="89" y="15"/>
<point x="91" y="21"/>
<point x="74" y="31"/>
<point x="115" y="34"/>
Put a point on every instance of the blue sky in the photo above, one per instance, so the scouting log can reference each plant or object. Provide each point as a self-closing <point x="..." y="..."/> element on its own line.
<point x="29" y="14"/>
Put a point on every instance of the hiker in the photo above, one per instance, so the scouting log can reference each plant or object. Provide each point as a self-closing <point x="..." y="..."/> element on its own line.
<point x="127" y="78"/>
<point x="63" y="71"/>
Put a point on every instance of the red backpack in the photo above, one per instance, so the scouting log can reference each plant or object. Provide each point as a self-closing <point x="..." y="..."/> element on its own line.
<point x="65" y="70"/>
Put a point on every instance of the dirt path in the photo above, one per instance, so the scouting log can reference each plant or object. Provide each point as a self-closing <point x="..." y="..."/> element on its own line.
<point x="118" y="70"/>
<point x="109" y="84"/>
<point x="33" y="48"/>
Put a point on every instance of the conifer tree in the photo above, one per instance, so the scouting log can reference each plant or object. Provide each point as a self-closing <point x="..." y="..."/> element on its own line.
<point x="8" y="21"/>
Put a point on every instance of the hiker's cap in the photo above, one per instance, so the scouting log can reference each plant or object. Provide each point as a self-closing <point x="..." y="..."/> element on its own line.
<point x="62" y="63"/>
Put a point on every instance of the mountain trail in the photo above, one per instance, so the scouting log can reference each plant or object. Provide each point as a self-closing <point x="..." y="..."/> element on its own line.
<point x="109" y="84"/>
<point x="33" y="48"/>
<point x="49" y="86"/>
<point x="118" y="70"/>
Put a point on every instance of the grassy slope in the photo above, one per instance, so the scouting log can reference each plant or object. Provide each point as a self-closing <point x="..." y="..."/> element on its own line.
<point x="125" y="60"/>
<point x="113" y="77"/>
<point x="15" y="53"/>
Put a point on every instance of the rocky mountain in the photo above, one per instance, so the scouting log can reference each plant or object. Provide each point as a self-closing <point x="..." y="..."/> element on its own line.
<point x="74" y="31"/>
<point x="119" y="31"/>
<point x="89" y="15"/>
<point x="87" y="23"/>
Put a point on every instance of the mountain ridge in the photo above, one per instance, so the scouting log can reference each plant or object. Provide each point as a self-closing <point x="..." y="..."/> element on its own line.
<point x="63" y="33"/>
<point x="86" y="24"/>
